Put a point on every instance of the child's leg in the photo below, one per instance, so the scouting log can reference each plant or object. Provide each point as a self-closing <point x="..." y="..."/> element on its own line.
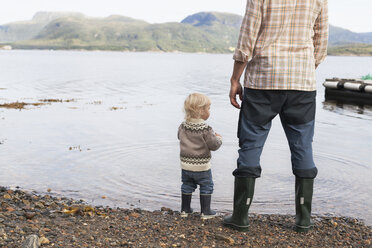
<point x="187" y="188"/>
<point x="206" y="189"/>
<point x="205" y="181"/>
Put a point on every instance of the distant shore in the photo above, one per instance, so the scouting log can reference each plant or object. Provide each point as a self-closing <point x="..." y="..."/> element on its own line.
<point x="359" y="50"/>
<point x="63" y="222"/>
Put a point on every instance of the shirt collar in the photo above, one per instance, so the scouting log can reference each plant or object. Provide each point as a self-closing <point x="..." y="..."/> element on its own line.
<point x="196" y="121"/>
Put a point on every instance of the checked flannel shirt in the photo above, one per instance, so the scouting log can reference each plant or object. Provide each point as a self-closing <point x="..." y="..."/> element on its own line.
<point x="283" y="42"/>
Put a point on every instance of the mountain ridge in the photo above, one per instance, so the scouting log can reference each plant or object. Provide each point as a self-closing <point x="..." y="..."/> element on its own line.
<point x="212" y="32"/>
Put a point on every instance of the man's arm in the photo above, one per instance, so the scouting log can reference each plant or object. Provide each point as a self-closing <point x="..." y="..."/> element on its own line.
<point x="249" y="31"/>
<point x="321" y="35"/>
<point x="244" y="51"/>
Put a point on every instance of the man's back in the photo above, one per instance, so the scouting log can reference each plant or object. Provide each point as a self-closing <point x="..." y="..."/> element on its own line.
<point x="281" y="43"/>
<point x="283" y="40"/>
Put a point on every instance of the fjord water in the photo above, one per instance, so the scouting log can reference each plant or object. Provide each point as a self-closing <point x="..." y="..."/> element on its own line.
<point x="86" y="149"/>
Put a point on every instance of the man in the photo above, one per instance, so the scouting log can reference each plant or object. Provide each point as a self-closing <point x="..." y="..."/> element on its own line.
<point x="281" y="43"/>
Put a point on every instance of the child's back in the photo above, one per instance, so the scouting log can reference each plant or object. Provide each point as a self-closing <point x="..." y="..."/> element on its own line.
<point x="197" y="140"/>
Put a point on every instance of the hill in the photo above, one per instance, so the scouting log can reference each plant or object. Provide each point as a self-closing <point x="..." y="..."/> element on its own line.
<point x="26" y="30"/>
<point x="211" y="32"/>
<point x="203" y="19"/>
<point x="341" y="36"/>
<point x="123" y="33"/>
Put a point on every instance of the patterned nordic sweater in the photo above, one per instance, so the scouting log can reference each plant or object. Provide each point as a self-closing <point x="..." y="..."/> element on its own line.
<point x="197" y="140"/>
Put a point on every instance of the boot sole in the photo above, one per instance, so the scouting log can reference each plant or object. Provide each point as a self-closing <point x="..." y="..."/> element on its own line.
<point x="184" y="214"/>
<point x="207" y="217"/>
<point x="236" y="227"/>
<point x="303" y="229"/>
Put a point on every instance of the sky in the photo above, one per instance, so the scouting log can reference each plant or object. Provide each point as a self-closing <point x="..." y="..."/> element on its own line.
<point x="355" y="15"/>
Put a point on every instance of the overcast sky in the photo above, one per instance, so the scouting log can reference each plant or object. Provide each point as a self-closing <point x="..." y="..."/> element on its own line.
<point x="355" y="15"/>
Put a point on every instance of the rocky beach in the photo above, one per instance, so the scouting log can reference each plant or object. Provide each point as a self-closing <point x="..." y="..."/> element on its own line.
<point x="50" y="221"/>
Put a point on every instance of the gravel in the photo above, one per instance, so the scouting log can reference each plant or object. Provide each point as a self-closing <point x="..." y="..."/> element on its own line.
<point x="61" y="222"/>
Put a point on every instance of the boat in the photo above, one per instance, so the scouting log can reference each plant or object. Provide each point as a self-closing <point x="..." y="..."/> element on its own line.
<point x="349" y="90"/>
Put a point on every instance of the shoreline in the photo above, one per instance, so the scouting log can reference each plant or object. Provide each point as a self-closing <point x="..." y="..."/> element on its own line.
<point x="332" y="53"/>
<point x="63" y="222"/>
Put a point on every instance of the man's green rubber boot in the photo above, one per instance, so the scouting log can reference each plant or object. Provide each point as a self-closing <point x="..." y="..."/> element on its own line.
<point x="243" y="195"/>
<point x="304" y="195"/>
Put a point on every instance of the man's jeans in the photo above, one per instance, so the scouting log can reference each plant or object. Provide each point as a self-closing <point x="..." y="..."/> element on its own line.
<point x="297" y="112"/>
<point x="191" y="179"/>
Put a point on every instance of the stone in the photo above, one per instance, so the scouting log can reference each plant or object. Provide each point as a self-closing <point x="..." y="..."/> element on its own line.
<point x="225" y="238"/>
<point x="32" y="241"/>
<point x="7" y="196"/>
<point x="44" y="241"/>
<point x="53" y="205"/>
<point x="30" y="215"/>
<point x="10" y="209"/>
<point x="19" y="213"/>
<point x="39" y="205"/>
<point x="135" y="215"/>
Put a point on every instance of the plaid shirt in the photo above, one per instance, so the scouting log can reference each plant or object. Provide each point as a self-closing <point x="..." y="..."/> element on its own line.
<point x="283" y="42"/>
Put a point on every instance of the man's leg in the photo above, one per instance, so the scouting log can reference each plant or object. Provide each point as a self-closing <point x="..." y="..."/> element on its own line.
<point x="298" y="121"/>
<point x="252" y="139"/>
<point x="258" y="109"/>
<point x="300" y="138"/>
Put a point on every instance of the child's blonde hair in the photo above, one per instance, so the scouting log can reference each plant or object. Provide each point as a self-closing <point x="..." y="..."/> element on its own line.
<point x="195" y="105"/>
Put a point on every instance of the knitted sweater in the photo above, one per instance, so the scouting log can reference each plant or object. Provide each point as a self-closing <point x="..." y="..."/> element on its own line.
<point x="197" y="140"/>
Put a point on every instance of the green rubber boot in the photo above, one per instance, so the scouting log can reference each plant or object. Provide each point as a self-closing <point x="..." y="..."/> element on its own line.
<point x="243" y="195"/>
<point x="304" y="195"/>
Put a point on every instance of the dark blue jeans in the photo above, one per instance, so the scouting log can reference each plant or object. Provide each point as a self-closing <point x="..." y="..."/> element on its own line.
<point x="297" y="112"/>
<point x="191" y="179"/>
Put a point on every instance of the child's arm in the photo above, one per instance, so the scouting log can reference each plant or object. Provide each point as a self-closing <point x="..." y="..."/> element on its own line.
<point x="213" y="140"/>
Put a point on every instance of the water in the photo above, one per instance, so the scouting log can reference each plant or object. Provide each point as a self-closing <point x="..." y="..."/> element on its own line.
<point x="86" y="150"/>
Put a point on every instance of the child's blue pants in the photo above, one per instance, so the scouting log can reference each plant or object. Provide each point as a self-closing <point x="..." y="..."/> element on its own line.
<point x="191" y="179"/>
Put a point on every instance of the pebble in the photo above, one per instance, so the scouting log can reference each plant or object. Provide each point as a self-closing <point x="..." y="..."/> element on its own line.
<point x="228" y="240"/>
<point x="44" y="241"/>
<point x="32" y="241"/>
<point x="30" y="215"/>
<point x="19" y="213"/>
<point x="7" y="196"/>
<point x="39" y="205"/>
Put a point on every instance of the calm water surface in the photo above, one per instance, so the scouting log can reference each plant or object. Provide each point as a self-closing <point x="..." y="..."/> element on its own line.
<point x="85" y="149"/>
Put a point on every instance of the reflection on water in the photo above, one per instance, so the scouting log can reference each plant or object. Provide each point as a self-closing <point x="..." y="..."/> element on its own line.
<point x="346" y="108"/>
<point x="118" y="139"/>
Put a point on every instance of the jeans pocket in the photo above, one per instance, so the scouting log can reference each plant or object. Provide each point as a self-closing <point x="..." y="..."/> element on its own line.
<point x="257" y="96"/>
<point x="307" y="97"/>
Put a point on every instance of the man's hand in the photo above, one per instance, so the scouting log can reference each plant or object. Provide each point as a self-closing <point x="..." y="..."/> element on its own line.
<point x="235" y="89"/>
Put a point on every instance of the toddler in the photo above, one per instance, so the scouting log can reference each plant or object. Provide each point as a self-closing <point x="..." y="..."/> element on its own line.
<point x="197" y="140"/>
